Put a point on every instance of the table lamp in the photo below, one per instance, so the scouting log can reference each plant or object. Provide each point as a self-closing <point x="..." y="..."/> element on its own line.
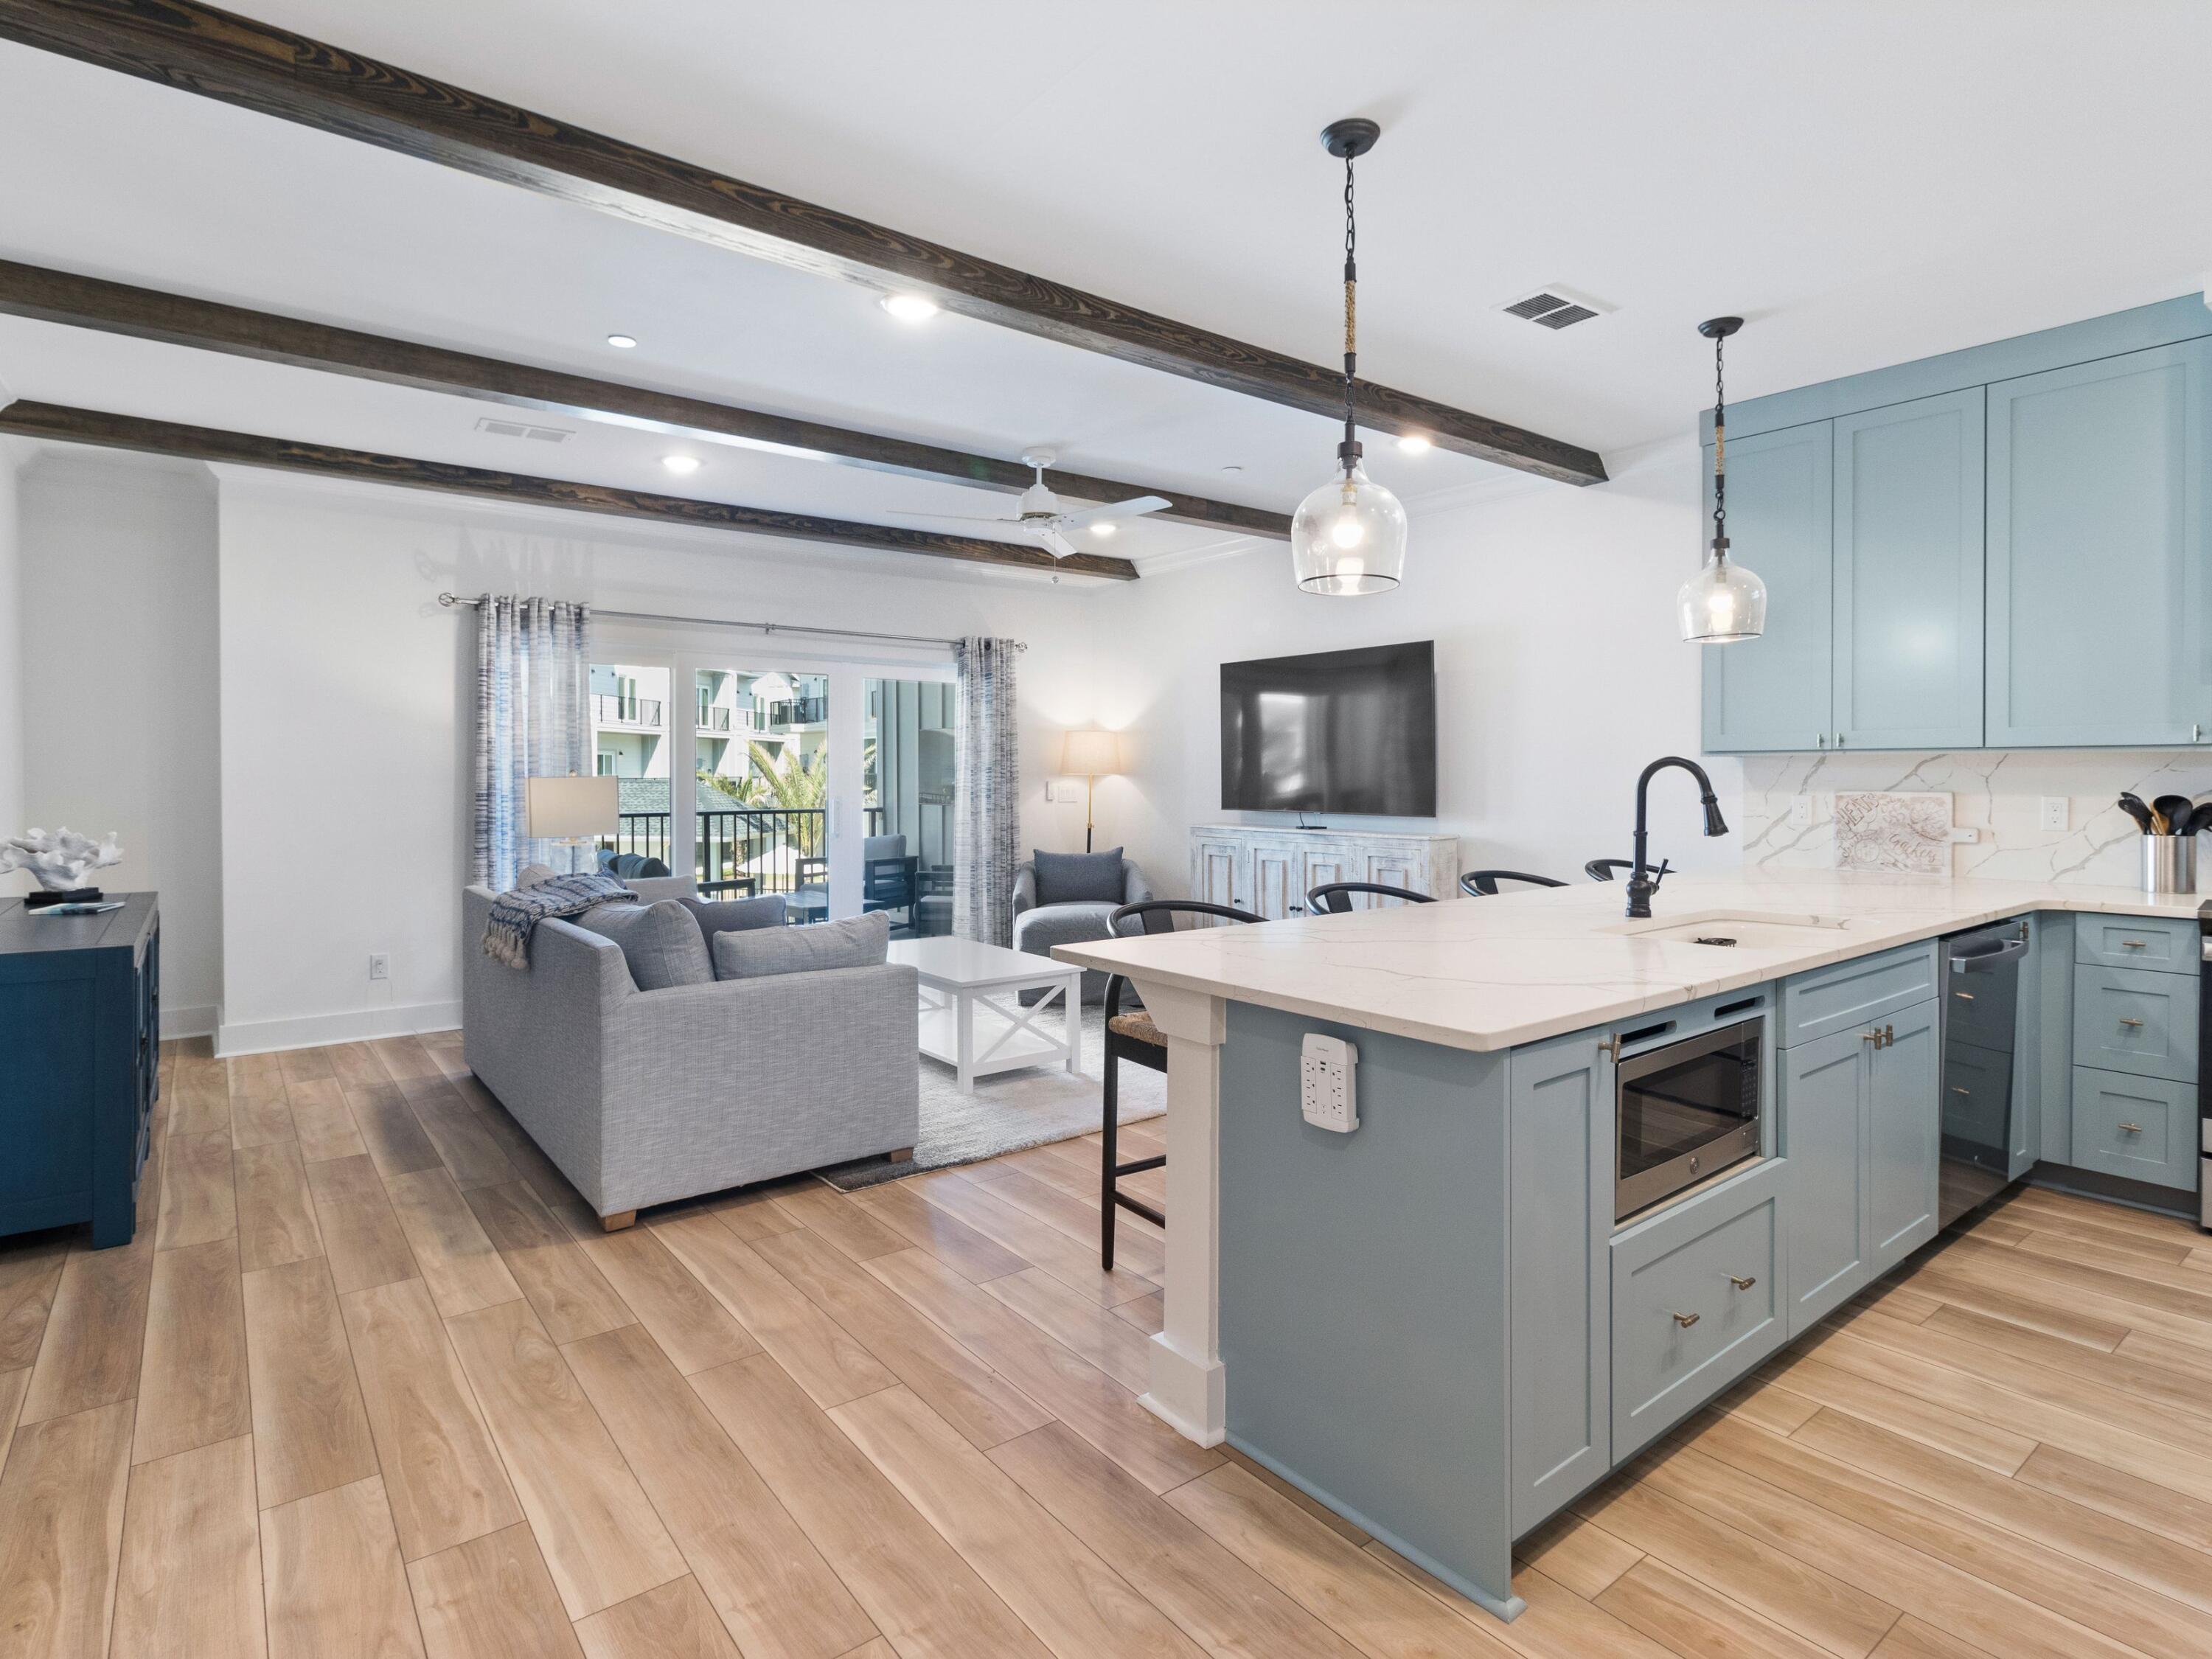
<point x="572" y="811"/>
<point x="1090" y="756"/>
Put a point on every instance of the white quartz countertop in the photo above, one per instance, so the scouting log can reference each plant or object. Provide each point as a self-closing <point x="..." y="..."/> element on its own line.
<point x="1489" y="973"/>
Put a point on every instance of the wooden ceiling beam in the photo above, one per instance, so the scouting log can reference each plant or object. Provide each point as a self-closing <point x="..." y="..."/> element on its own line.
<point x="95" y="427"/>
<point x="61" y="296"/>
<point x="237" y="60"/>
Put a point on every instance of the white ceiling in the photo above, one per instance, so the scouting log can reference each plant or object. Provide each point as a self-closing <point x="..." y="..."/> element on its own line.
<point x="1867" y="182"/>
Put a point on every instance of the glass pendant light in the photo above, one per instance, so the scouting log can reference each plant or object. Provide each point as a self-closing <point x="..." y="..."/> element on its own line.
<point x="1723" y="602"/>
<point x="1349" y="535"/>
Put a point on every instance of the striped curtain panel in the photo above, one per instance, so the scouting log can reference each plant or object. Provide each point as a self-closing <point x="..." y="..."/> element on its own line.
<point x="987" y="805"/>
<point x="534" y="675"/>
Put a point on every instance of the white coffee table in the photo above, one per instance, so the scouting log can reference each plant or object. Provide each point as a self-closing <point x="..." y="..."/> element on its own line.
<point x="972" y="1017"/>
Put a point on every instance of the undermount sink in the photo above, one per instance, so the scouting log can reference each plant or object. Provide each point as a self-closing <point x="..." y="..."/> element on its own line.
<point x="1735" y="929"/>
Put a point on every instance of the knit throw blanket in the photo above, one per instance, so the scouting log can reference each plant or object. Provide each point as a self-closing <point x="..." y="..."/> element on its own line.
<point x="507" y="936"/>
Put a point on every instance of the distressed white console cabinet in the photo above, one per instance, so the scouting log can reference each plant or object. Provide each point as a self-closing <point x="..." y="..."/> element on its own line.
<point x="1268" y="870"/>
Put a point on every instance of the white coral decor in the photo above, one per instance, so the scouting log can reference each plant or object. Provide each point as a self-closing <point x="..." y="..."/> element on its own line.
<point x="59" y="861"/>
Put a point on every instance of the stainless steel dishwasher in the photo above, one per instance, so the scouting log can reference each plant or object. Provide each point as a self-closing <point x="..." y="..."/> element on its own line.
<point x="1979" y="973"/>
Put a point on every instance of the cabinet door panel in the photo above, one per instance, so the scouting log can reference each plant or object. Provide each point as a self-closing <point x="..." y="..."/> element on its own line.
<point x="1773" y="693"/>
<point x="1560" y="1096"/>
<point x="1904" y="1125"/>
<point x="2097" y="549"/>
<point x="1824" y="1140"/>
<point x="1908" y="574"/>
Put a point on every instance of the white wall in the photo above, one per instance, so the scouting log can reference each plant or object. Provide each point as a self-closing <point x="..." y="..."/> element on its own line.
<point x="12" y="808"/>
<point x="118" y="582"/>
<point x="347" y="697"/>
<point x="1558" y="674"/>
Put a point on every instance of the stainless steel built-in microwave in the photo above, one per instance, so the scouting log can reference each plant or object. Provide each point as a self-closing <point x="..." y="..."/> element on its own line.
<point x="1685" y="1110"/>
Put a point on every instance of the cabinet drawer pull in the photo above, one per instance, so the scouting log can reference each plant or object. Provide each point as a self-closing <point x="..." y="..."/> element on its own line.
<point x="1686" y="1319"/>
<point x="2131" y="1129"/>
<point x="1964" y="996"/>
<point x="2133" y="944"/>
<point x="1743" y="1284"/>
<point x="2135" y="1023"/>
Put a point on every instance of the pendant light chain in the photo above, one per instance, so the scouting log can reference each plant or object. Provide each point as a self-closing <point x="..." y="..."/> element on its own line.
<point x="1351" y="310"/>
<point x="1720" y="451"/>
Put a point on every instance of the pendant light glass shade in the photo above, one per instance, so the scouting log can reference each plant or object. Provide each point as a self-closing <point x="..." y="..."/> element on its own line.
<point x="1721" y="604"/>
<point x="1349" y="537"/>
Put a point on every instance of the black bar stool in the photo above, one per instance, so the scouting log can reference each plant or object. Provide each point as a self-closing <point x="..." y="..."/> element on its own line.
<point x="1483" y="884"/>
<point x="1602" y="869"/>
<point x="1334" y="898"/>
<point x="1132" y="1036"/>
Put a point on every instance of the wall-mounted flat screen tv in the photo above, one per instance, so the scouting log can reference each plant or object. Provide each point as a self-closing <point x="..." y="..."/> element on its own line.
<point x="1351" y="732"/>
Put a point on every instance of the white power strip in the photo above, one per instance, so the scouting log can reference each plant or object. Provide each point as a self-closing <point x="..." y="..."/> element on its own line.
<point x="1327" y="1065"/>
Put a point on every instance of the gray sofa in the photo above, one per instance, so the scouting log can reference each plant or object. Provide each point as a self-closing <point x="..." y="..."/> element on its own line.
<point x="1038" y="927"/>
<point x="642" y="1098"/>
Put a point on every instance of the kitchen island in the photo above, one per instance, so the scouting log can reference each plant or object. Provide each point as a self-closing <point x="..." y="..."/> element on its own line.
<point x="1434" y="1324"/>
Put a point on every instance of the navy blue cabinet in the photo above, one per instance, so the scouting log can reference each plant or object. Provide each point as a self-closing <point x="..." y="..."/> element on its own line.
<point x="80" y="1059"/>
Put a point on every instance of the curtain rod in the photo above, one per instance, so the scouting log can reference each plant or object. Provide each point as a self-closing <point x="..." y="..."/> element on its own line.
<point x="450" y="600"/>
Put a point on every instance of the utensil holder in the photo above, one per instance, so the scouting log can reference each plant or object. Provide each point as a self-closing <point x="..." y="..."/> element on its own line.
<point x="2169" y="864"/>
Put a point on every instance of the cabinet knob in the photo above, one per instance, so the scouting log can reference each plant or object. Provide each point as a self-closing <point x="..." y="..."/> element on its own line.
<point x="2131" y="1129"/>
<point x="1743" y="1284"/>
<point x="1686" y="1319"/>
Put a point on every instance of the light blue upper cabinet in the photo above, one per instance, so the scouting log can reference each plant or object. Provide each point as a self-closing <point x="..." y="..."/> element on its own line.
<point x="1771" y="693"/>
<point x="2097" y="552"/>
<point x="1908" y="574"/>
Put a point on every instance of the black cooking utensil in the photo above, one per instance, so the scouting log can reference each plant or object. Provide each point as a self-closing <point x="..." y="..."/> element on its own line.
<point x="2132" y="806"/>
<point x="2175" y="810"/>
<point x="2200" y="819"/>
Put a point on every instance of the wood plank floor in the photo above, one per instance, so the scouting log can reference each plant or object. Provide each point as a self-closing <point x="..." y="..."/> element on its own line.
<point x="370" y="1381"/>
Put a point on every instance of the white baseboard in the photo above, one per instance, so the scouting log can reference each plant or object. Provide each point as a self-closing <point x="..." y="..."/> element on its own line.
<point x="190" y="1022"/>
<point x="314" y="1030"/>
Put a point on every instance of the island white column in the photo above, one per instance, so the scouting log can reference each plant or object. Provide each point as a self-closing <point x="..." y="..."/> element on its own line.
<point x="1187" y="1387"/>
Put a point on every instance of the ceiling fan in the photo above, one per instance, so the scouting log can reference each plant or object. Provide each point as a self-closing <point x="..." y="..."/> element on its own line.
<point x="1040" y="511"/>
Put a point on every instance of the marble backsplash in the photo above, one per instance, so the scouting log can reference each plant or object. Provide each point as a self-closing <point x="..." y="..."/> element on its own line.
<point x="1998" y="793"/>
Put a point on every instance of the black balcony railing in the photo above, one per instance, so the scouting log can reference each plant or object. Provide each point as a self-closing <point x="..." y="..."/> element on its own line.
<point x="761" y="849"/>
<point x="610" y="708"/>
<point x="798" y="711"/>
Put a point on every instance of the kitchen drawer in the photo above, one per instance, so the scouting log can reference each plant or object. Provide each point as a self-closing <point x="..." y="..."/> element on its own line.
<point x="2143" y="1127"/>
<point x="2135" y="942"/>
<point x="1683" y="1328"/>
<point x="1846" y="994"/>
<point x="2136" y="1019"/>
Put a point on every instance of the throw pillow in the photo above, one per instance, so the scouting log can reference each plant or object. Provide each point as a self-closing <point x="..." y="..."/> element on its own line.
<point x="857" y="942"/>
<point x="734" y="915"/>
<point x="531" y="874"/>
<point x="660" y="942"/>
<point x="1078" y="877"/>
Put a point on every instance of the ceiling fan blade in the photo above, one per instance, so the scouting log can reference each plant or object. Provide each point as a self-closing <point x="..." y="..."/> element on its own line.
<point x="1057" y="544"/>
<point x="1134" y="507"/>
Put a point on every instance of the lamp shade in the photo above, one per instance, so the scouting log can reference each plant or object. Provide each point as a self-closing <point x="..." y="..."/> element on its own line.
<point x="573" y="808"/>
<point x="1091" y="754"/>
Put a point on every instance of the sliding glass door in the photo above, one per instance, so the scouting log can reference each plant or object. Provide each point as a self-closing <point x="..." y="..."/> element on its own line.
<point x="761" y="809"/>
<point x="906" y="776"/>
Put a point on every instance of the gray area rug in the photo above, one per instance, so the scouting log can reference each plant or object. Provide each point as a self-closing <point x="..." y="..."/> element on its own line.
<point x="1010" y="1111"/>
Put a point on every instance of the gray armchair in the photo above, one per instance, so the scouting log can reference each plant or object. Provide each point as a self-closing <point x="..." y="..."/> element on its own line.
<point x="1038" y="927"/>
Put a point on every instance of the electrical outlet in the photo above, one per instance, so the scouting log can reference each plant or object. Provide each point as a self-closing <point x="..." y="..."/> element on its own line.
<point x="379" y="966"/>
<point x="1326" y="1096"/>
<point x="1800" y="812"/>
<point x="2054" y="813"/>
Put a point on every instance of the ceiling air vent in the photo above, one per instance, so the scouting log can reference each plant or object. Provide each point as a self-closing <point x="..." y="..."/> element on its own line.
<point x="543" y="435"/>
<point x="1554" y="307"/>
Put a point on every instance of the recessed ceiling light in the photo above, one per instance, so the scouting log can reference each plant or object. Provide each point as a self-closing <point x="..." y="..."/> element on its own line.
<point x="1106" y="528"/>
<point x="680" y="463"/>
<point x="909" y="307"/>
<point x="623" y="341"/>
<point x="1414" y="443"/>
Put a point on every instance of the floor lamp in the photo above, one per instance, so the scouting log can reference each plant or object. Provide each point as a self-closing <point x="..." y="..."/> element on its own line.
<point x="572" y="811"/>
<point x="1090" y="756"/>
